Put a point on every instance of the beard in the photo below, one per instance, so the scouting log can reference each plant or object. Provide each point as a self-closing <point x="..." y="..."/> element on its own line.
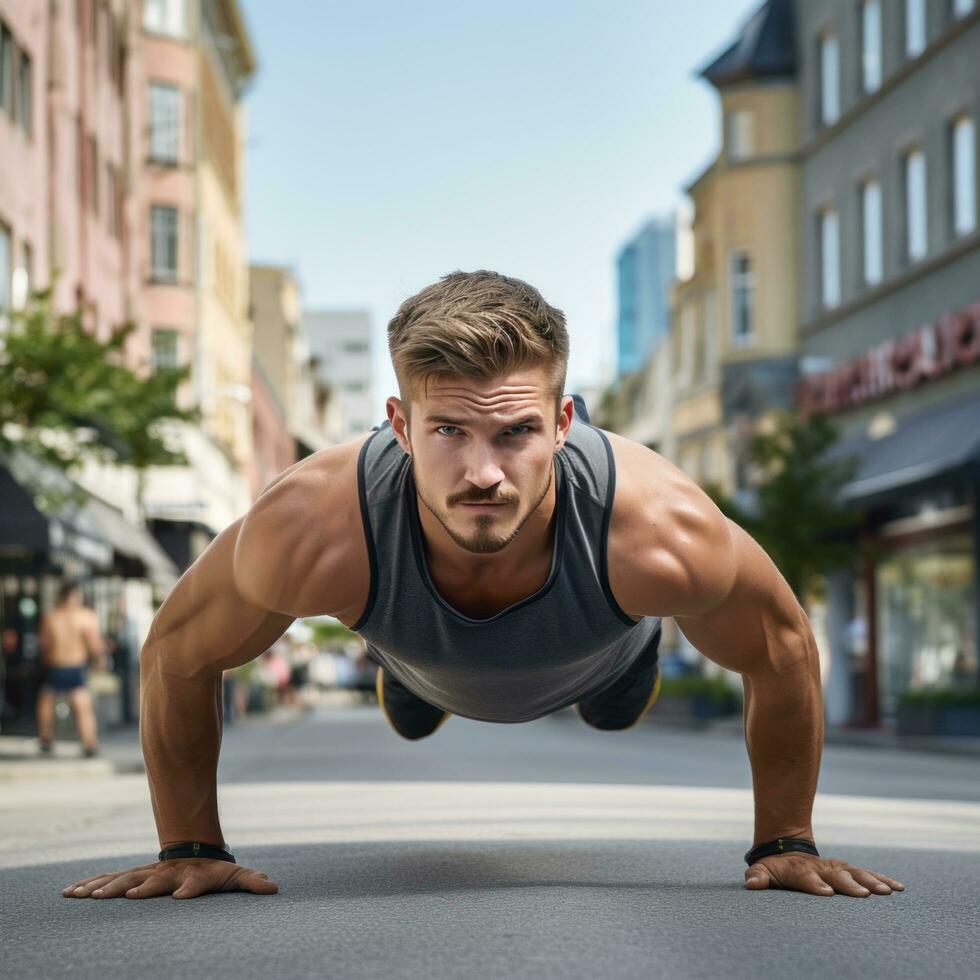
<point x="485" y="540"/>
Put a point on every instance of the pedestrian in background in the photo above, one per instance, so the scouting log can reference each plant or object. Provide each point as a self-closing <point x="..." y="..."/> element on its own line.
<point x="69" y="639"/>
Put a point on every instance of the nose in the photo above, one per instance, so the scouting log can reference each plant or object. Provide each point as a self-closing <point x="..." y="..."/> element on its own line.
<point x="482" y="469"/>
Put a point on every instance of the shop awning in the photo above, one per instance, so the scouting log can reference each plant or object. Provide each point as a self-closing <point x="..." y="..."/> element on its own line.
<point x="939" y="444"/>
<point x="91" y="527"/>
<point x="135" y="542"/>
<point x="26" y="526"/>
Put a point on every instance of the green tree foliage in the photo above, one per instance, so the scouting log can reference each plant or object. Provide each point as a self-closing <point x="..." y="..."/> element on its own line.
<point x="798" y="518"/>
<point x="67" y="396"/>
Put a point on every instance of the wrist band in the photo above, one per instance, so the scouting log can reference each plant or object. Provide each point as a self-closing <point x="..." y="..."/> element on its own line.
<point x="193" y="849"/>
<point x="781" y="845"/>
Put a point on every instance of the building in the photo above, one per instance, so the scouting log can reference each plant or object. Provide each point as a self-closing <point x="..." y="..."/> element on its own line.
<point x="733" y="319"/>
<point x="197" y="59"/>
<point x="341" y="342"/>
<point x="294" y="402"/>
<point x="890" y="334"/>
<point x="645" y="269"/>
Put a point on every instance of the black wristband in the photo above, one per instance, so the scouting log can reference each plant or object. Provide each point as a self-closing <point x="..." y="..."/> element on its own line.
<point x="781" y="845"/>
<point x="193" y="849"/>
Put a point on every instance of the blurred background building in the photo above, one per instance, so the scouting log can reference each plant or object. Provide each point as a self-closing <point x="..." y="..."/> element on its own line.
<point x="341" y="341"/>
<point x="121" y="155"/>
<point x="890" y="332"/>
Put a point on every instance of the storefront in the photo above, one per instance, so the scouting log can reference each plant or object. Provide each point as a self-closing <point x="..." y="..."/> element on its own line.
<point x="903" y="618"/>
<point x="123" y="574"/>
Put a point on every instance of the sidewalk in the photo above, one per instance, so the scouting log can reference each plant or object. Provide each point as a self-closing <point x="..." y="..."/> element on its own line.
<point x="119" y="752"/>
<point x="858" y="737"/>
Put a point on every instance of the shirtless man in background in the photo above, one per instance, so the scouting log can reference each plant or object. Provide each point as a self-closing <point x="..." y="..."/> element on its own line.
<point x="69" y="638"/>
<point x="503" y="559"/>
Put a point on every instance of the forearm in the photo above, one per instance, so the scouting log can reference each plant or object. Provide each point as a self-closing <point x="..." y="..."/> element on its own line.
<point x="180" y="731"/>
<point x="784" y="737"/>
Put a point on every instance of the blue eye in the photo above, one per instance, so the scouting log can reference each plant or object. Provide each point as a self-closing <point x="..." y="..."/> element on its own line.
<point x="441" y="427"/>
<point x="513" y="431"/>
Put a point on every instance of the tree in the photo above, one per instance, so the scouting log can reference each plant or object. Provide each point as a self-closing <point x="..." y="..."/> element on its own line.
<point x="67" y="397"/>
<point x="798" y="518"/>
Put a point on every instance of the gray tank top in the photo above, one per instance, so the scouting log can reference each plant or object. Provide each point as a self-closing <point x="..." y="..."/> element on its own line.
<point x="547" y="651"/>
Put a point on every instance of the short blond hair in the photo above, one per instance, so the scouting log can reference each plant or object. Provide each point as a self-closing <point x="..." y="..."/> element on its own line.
<point x="476" y="325"/>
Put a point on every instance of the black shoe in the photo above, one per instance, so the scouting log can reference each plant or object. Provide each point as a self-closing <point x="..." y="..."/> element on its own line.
<point x="407" y="713"/>
<point x="90" y="753"/>
<point x="624" y="703"/>
<point x="46" y="746"/>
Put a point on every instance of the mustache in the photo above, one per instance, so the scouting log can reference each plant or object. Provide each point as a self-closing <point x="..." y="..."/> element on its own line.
<point x="484" y="499"/>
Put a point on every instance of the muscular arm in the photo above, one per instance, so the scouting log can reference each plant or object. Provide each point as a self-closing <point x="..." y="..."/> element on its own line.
<point x="204" y="627"/>
<point x="673" y="553"/>
<point x="760" y="631"/>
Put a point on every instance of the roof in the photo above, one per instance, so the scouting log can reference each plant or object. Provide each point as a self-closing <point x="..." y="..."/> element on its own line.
<point x="935" y="444"/>
<point x="765" y="48"/>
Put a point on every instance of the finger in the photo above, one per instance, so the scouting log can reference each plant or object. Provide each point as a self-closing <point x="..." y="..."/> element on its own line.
<point x="869" y="881"/>
<point x="257" y="883"/>
<point x="99" y="877"/>
<point x="192" y="887"/>
<point x="119" y="885"/>
<point x="757" y="876"/>
<point x="891" y="882"/>
<point x="83" y="891"/>
<point x="155" y="885"/>
<point x="843" y="882"/>
<point x="812" y="883"/>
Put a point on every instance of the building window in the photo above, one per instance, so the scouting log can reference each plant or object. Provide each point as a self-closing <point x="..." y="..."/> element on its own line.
<point x="740" y="135"/>
<point x="829" y="258"/>
<point x="163" y="244"/>
<point x="113" y="196"/>
<point x="915" y="27"/>
<point x="962" y="7"/>
<point x="829" y="80"/>
<point x="5" y="272"/>
<point x="871" y="45"/>
<point x="964" y="177"/>
<point x="355" y="347"/>
<point x="164" y="349"/>
<point x="164" y="123"/>
<point x="916" y="239"/>
<point x="743" y="297"/>
<point x="92" y="174"/>
<point x="23" y="113"/>
<point x="872" y="231"/>
<point x="6" y="70"/>
<point x="165" y="17"/>
<point x="20" y="279"/>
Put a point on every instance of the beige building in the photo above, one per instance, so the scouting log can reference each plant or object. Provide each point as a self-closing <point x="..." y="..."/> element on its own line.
<point x="733" y="321"/>
<point x="283" y="357"/>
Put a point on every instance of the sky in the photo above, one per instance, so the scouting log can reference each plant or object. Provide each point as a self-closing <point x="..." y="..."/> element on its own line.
<point x="389" y="143"/>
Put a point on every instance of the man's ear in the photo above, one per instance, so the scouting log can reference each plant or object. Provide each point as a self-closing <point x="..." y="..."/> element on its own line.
<point x="398" y="417"/>
<point x="564" y="422"/>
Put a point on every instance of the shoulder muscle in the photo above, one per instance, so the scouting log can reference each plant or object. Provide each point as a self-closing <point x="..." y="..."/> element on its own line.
<point x="301" y="548"/>
<point x="671" y="550"/>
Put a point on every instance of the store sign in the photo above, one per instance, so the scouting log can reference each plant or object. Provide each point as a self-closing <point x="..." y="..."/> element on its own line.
<point x="928" y="352"/>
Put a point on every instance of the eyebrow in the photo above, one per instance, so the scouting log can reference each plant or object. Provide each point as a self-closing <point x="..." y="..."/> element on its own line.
<point x="446" y="420"/>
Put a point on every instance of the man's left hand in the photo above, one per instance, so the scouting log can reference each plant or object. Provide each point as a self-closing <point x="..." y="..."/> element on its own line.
<point x="818" y="876"/>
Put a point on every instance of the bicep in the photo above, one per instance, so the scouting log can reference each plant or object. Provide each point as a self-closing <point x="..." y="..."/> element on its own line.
<point x="759" y="626"/>
<point x="206" y="625"/>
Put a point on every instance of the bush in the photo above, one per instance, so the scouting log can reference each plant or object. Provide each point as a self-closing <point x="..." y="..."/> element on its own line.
<point x="695" y="685"/>
<point x="941" y="698"/>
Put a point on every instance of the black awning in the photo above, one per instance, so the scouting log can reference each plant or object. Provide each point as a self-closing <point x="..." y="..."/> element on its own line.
<point x="25" y="526"/>
<point x="938" y="445"/>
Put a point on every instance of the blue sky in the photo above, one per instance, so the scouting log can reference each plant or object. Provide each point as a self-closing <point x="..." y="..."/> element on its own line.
<point x="390" y="143"/>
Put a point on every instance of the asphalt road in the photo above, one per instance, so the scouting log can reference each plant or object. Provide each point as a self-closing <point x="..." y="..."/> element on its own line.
<point x="545" y="850"/>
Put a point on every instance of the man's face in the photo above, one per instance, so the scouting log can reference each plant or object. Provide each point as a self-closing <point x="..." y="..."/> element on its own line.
<point x="482" y="452"/>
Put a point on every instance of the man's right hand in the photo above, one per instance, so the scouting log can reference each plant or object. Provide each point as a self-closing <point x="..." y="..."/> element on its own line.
<point x="180" y="877"/>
